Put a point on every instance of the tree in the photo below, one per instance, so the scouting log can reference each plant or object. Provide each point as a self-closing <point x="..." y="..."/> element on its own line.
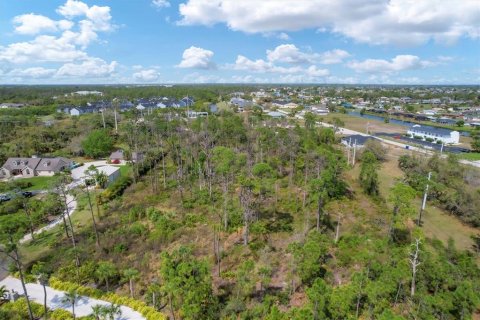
<point x="187" y="285"/>
<point x="106" y="271"/>
<point x="368" y="174"/>
<point x="97" y="144"/>
<point x="460" y="123"/>
<point x="401" y="196"/>
<point x="475" y="144"/>
<point x="3" y="292"/>
<point x="131" y="275"/>
<point x="71" y="298"/>
<point x="42" y="275"/>
<point x="318" y="294"/>
<point x="12" y="228"/>
<point x="223" y="160"/>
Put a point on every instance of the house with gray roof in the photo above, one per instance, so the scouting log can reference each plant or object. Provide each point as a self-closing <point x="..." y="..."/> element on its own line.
<point x="31" y="167"/>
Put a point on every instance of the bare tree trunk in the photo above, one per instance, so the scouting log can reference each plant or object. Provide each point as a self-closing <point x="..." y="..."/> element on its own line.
<point x="97" y="238"/>
<point x="29" y="216"/>
<point x="337" y="231"/>
<point x="414" y="263"/>
<point x="22" y="279"/>
<point x="45" y="310"/>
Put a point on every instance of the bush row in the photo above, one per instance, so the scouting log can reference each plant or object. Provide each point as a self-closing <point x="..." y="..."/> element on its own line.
<point x="148" y="312"/>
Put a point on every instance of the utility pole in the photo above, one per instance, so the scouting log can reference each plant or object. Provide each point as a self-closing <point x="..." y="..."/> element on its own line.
<point x="354" y="152"/>
<point x="424" y="201"/>
<point x="103" y="118"/>
<point x="115" y="113"/>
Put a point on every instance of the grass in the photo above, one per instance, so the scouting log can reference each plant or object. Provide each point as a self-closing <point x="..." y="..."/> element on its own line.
<point x="437" y="224"/>
<point x="44" y="243"/>
<point x="125" y="170"/>
<point x="473" y="156"/>
<point x="360" y="124"/>
<point x="39" y="182"/>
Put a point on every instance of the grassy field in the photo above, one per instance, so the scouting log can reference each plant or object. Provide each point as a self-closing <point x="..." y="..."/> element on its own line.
<point x="39" y="183"/>
<point x="473" y="156"/>
<point x="360" y="124"/>
<point x="437" y="223"/>
<point x="45" y="242"/>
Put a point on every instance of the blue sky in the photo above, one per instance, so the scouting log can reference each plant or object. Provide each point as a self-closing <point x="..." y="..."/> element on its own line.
<point x="268" y="41"/>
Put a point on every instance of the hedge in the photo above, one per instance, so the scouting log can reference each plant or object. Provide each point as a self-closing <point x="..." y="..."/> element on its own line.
<point x="147" y="311"/>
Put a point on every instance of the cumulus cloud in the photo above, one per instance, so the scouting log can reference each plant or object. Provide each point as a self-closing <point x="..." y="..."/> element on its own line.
<point x="31" y="24"/>
<point x="147" y="75"/>
<point x="398" y="63"/>
<point x="41" y="49"/>
<point x="197" y="58"/>
<point x="91" y="68"/>
<point x="34" y="72"/>
<point x="161" y="3"/>
<point x="334" y="56"/>
<point x="289" y="53"/>
<point x="370" y="21"/>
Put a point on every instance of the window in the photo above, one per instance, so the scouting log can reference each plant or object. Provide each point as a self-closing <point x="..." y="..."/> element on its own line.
<point x="28" y="171"/>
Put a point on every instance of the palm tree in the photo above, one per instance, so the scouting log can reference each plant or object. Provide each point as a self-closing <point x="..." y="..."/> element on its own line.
<point x="42" y="276"/>
<point x="3" y="293"/>
<point x="113" y="310"/>
<point x="131" y="274"/>
<point x="71" y="297"/>
<point x="105" y="271"/>
<point x="98" y="310"/>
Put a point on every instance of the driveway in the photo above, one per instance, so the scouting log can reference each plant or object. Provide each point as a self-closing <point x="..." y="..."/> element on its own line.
<point x="83" y="306"/>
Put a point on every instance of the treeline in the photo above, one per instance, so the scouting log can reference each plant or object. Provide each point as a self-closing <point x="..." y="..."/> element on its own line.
<point x="454" y="187"/>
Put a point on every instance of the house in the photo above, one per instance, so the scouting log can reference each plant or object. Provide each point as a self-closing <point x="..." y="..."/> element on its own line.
<point x="50" y="166"/>
<point x="447" y="121"/>
<point x="276" y="114"/>
<point x="436" y="134"/>
<point x="7" y="105"/>
<point x="117" y="156"/>
<point x="30" y="167"/>
<point x="320" y="109"/>
<point x="240" y="103"/>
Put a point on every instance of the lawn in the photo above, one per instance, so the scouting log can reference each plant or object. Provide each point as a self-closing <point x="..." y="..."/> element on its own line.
<point x="472" y="156"/>
<point x="39" y="183"/>
<point x="360" y="124"/>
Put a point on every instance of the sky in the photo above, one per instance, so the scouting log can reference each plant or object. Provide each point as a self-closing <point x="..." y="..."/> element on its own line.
<point x="233" y="41"/>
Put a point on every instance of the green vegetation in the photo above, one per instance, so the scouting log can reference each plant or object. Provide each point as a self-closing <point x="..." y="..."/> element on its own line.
<point x="238" y="216"/>
<point x="97" y="144"/>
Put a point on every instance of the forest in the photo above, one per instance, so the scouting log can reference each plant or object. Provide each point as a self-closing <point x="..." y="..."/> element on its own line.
<point x="240" y="216"/>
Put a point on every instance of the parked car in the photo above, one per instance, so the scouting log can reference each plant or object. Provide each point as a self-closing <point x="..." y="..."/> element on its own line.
<point x="27" y="194"/>
<point x="5" y="197"/>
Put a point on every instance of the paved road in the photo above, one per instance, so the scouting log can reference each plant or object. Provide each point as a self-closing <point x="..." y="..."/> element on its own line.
<point x="72" y="205"/>
<point x="394" y="143"/>
<point x="83" y="307"/>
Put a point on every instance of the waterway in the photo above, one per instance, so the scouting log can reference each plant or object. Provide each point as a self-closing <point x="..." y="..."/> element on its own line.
<point x="404" y="123"/>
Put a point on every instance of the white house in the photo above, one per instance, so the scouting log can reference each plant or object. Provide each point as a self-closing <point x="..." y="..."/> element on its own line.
<point x="437" y="134"/>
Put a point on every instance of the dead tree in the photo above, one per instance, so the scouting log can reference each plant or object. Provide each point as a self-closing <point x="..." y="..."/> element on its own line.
<point x="414" y="263"/>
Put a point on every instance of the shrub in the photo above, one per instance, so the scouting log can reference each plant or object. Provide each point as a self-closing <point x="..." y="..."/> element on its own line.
<point x="148" y="312"/>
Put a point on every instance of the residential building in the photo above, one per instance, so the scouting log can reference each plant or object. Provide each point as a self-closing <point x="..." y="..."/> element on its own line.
<point x="30" y="167"/>
<point x="436" y="134"/>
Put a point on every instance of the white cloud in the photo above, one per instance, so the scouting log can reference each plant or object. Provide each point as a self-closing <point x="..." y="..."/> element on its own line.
<point x="73" y="8"/>
<point x="90" y="68"/>
<point x="147" y="75"/>
<point x="34" y="72"/>
<point x="399" y="63"/>
<point x="197" y="58"/>
<point x="371" y="21"/>
<point x="289" y="53"/>
<point x="32" y="24"/>
<point x="41" y="49"/>
<point x="161" y="3"/>
<point x="313" y="71"/>
<point x="334" y="56"/>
